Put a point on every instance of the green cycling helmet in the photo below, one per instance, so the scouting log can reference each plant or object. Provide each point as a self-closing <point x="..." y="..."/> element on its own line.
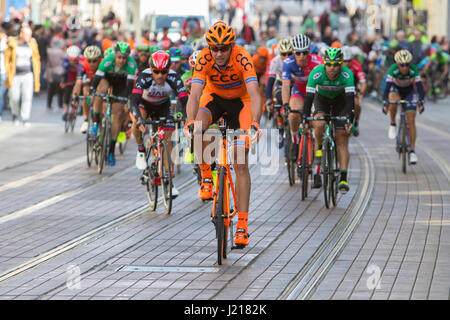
<point x="122" y="48"/>
<point x="334" y="54"/>
<point x="143" y="47"/>
<point x="153" y="49"/>
<point x="108" y="52"/>
<point x="393" y="44"/>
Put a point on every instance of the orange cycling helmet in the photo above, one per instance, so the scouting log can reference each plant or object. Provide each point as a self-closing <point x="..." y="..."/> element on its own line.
<point x="220" y="34"/>
<point x="263" y="52"/>
<point x="336" y="44"/>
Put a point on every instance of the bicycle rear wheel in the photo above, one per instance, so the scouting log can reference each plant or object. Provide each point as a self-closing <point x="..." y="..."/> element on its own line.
<point x="333" y="182"/>
<point x="291" y="163"/>
<point x="403" y="148"/>
<point x="304" y="169"/>
<point x="326" y="173"/>
<point x="166" y="176"/>
<point x="90" y="142"/>
<point x="221" y="229"/>
<point x="104" y="146"/>
<point x="148" y="178"/>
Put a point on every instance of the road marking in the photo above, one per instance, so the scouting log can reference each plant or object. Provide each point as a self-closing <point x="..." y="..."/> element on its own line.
<point x="181" y="269"/>
<point x="58" y="198"/>
<point x="42" y="174"/>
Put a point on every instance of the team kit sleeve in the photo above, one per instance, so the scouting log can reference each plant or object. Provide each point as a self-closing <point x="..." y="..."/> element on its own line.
<point x="248" y="68"/>
<point x="313" y="80"/>
<point x="143" y="82"/>
<point x="271" y="78"/>
<point x="101" y="70"/>
<point x="349" y="93"/>
<point x="389" y="82"/>
<point x="177" y="86"/>
<point x="200" y="69"/>
<point x="131" y="69"/>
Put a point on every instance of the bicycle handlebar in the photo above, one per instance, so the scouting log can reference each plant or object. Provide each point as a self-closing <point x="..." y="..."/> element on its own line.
<point x="105" y="97"/>
<point x="162" y="121"/>
<point x="326" y="118"/>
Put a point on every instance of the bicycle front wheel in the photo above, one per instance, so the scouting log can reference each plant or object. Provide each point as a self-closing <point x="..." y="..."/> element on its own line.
<point x="166" y="176"/>
<point x="221" y="229"/>
<point x="304" y="166"/>
<point x="90" y="142"/>
<point x="326" y="173"/>
<point x="403" y="148"/>
<point x="333" y="182"/>
<point x="103" y="148"/>
<point x="148" y="178"/>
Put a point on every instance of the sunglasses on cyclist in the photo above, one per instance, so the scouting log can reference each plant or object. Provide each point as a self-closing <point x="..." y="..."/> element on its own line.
<point x="333" y="64"/>
<point x="301" y="53"/>
<point x="122" y="57"/>
<point x="92" y="60"/>
<point x="160" y="71"/>
<point x="405" y="64"/>
<point x="224" y="48"/>
<point x="286" y="54"/>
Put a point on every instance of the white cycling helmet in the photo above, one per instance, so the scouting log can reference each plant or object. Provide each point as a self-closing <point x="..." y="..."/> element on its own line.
<point x="348" y="54"/>
<point x="73" y="52"/>
<point x="300" y="43"/>
<point x="193" y="58"/>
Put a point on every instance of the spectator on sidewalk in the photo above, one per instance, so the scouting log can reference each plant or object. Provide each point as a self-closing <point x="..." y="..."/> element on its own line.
<point x="334" y="18"/>
<point x="271" y="21"/>
<point x="308" y="21"/>
<point x="247" y="32"/>
<point x="54" y="72"/>
<point x="324" y="22"/>
<point x="2" y="69"/>
<point x="23" y="68"/>
<point x="277" y="13"/>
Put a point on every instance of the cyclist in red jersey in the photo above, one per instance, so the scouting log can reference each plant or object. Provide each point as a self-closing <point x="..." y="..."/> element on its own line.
<point x="86" y="72"/>
<point x="297" y="69"/>
<point x="360" y="83"/>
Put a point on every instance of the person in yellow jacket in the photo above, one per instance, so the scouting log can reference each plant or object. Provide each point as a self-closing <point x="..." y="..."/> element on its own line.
<point x="23" y="68"/>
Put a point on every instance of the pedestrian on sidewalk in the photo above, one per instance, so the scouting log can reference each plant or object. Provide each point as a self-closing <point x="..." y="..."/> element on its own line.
<point x="23" y="68"/>
<point x="2" y="69"/>
<point x="54" y="72"/>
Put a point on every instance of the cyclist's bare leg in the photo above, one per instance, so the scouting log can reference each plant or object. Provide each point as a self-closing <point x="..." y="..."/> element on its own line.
<point x="393" y="97"/>
<point x="358" y="99"/>
<point x="205" y="121"/>
<point x="117" y="119"/>
<point x="85" y="102"/>
<point x="318" y="130"/>
<point x="342" y="149"/>
<point x="295" y="103"/>
<point x="243" y="181"/>
<point x="411" y="122"/>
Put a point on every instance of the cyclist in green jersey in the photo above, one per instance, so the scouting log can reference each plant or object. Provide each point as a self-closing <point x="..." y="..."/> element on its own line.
<point x="331" y="86"/>
<point x="116" y="71"/>
<point x="404" y="82"/>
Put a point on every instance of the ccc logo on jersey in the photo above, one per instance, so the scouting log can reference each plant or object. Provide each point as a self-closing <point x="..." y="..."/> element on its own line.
<point x="240" y="58"/>
<point x="224" y="77"/>
<point x="202" y="61"/>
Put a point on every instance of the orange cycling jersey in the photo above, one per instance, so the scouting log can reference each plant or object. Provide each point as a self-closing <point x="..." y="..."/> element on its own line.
<point x="229" y="83"/>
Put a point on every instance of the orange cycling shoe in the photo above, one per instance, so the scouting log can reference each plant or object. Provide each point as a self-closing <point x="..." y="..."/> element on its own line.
<point x="205" y="192"/>
<point x="242" y="236"/>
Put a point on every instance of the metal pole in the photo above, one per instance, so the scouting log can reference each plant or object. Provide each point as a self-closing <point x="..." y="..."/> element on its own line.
<point x="137" y="20"/>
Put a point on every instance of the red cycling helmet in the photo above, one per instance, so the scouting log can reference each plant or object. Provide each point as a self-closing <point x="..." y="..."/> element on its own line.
<point x="160" y="60"/>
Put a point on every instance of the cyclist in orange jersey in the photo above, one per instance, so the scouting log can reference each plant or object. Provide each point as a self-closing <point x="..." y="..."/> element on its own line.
<point x="225" y="84"/>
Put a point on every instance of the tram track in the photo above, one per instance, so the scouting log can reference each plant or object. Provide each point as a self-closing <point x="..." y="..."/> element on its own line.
<point x="319" y="263"/>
